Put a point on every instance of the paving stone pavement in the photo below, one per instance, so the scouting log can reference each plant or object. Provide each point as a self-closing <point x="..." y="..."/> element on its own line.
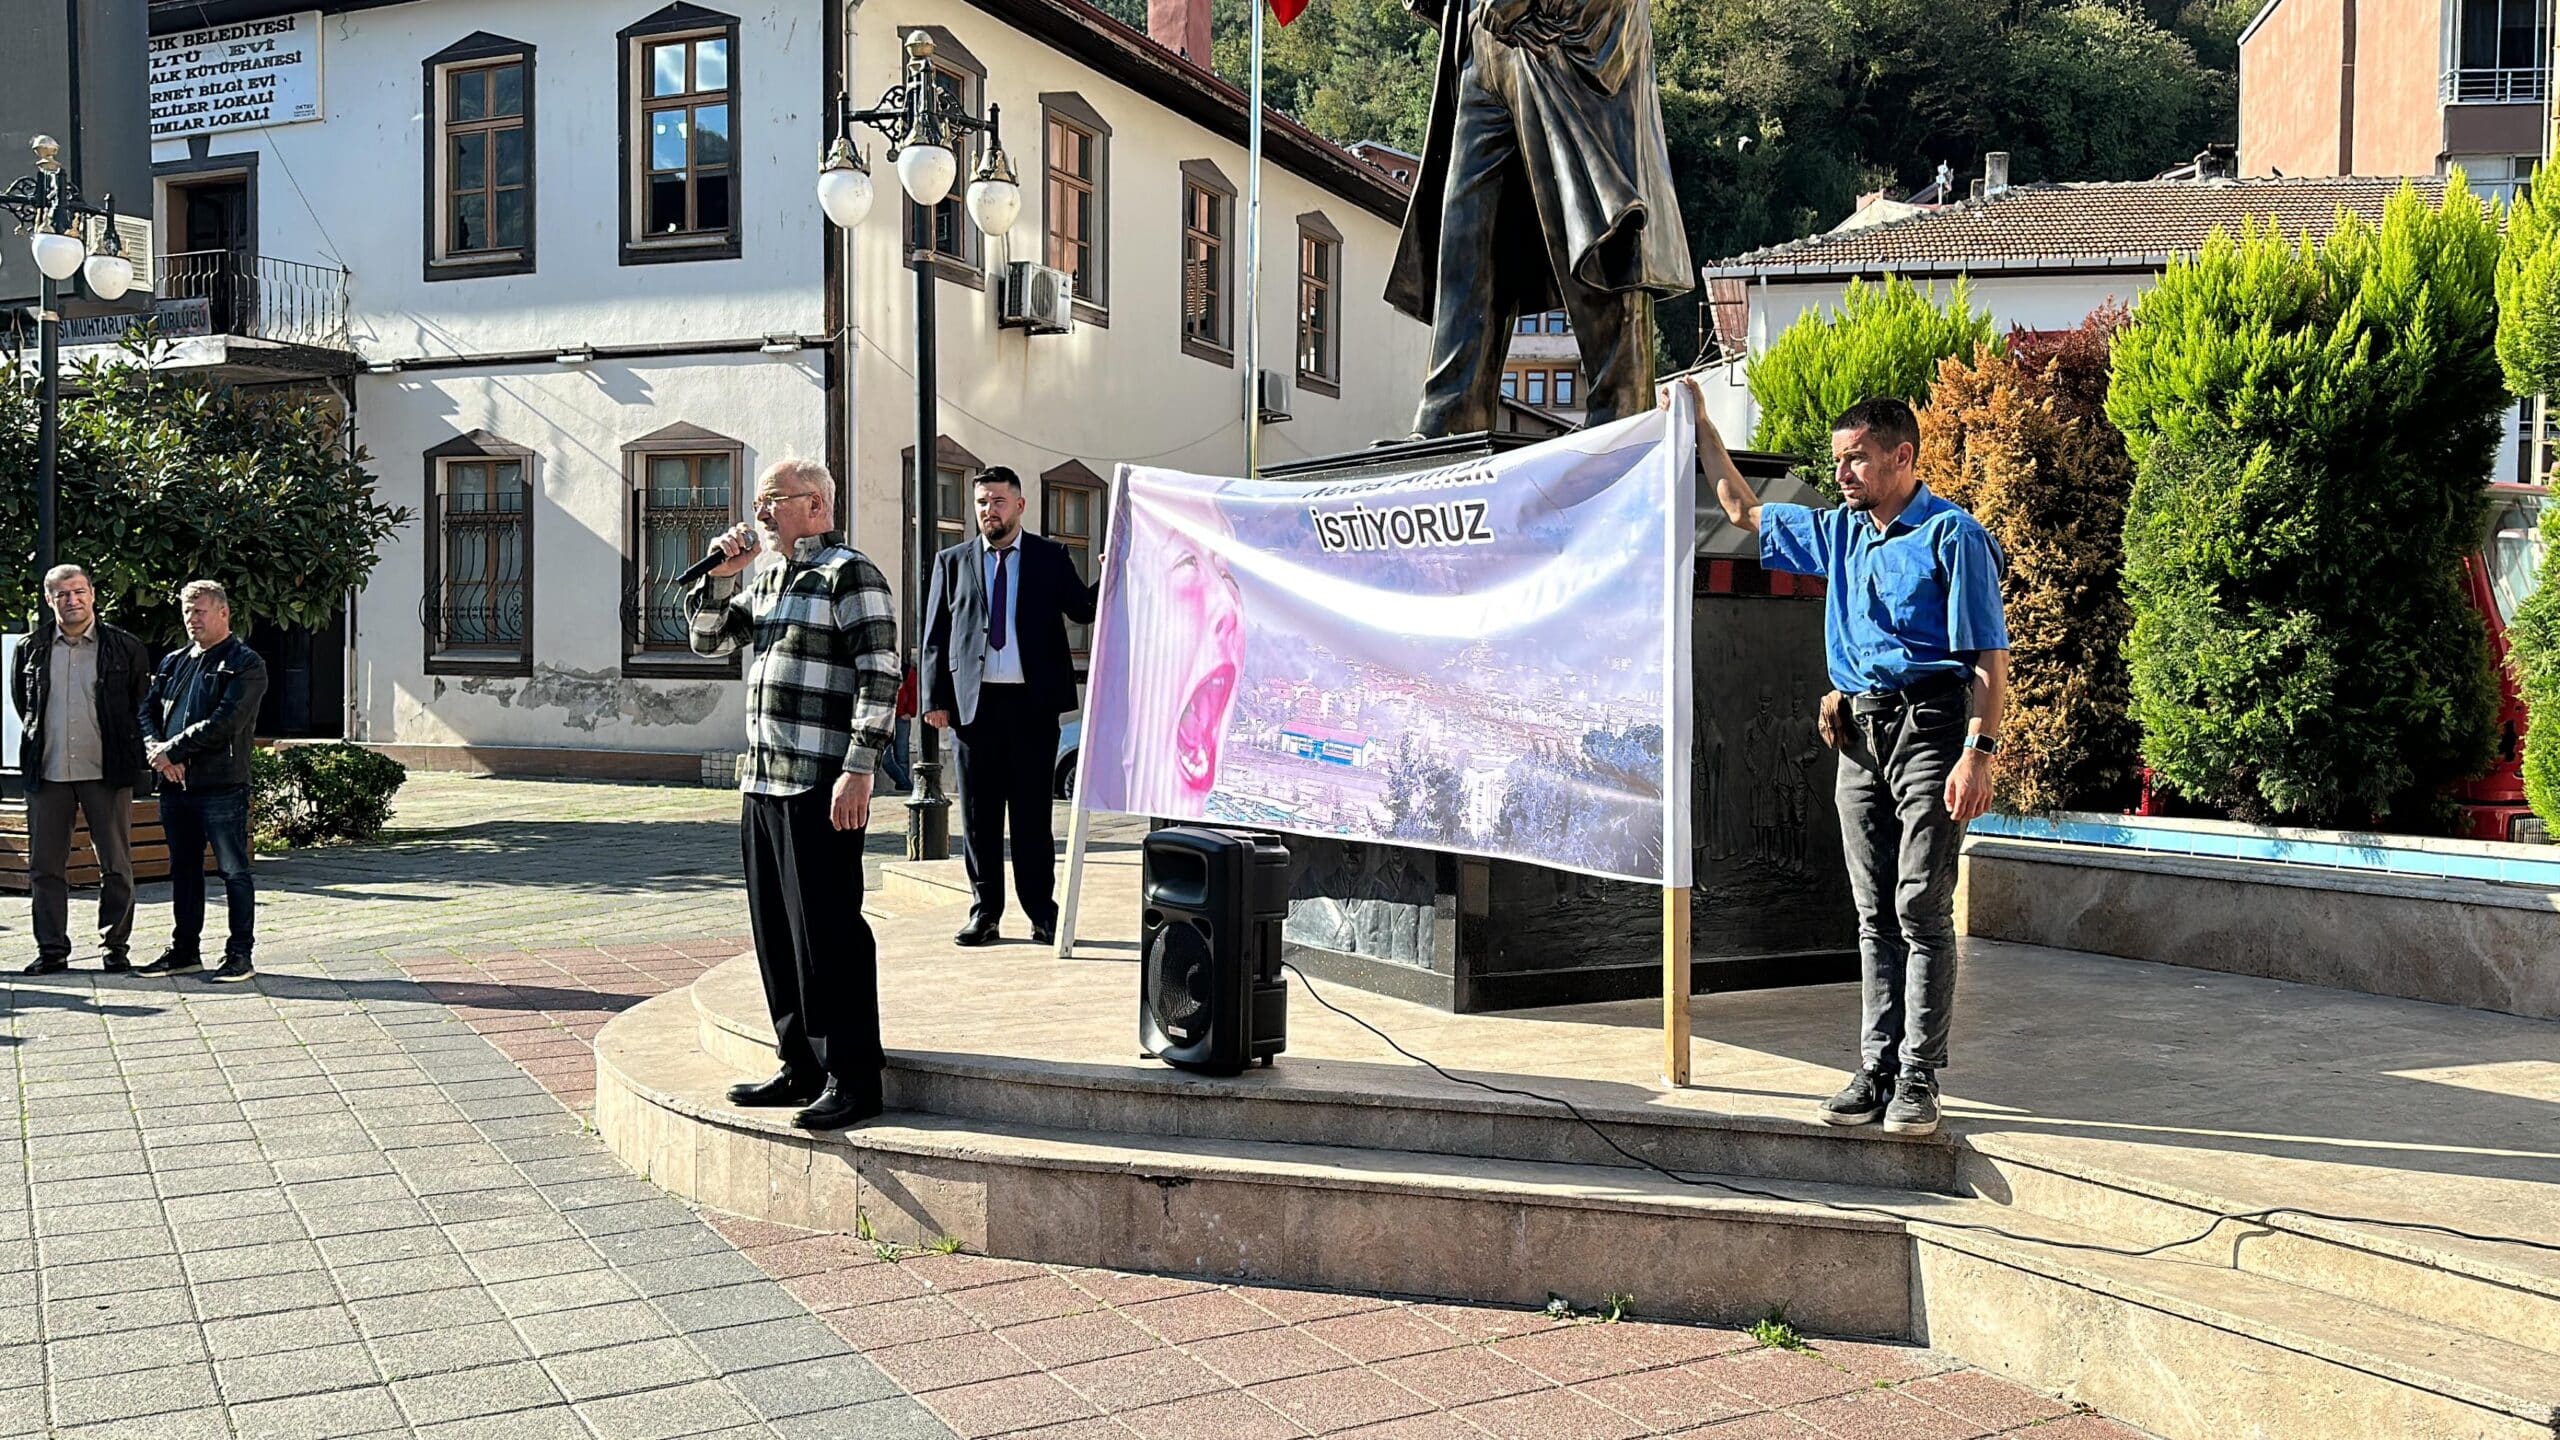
<point x="357" y="1198"/>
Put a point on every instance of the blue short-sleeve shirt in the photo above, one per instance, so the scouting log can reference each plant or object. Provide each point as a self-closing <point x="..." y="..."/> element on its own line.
<point x="1913" y="602"/>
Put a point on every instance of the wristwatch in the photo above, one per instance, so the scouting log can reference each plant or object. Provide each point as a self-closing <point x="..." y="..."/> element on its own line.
<point x="1987" y="744"/>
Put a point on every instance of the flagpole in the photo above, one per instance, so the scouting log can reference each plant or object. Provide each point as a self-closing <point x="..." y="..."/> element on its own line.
<point x="1253" y="265"/>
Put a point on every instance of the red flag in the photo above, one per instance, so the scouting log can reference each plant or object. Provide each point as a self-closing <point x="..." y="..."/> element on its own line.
<point x="1287" y="10"/>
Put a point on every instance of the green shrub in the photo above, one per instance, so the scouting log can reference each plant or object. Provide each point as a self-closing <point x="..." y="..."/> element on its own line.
<point x="1885" y="340"/>
<point x="2529" y="292"/>
<point x="2533" y="653"/>
<point x="2529" y="350"/>
<point x="2023" y="442"/>
<point x="314" y="794"/>
<point x="2312" y="428"/>
<point x="166" y="478"/>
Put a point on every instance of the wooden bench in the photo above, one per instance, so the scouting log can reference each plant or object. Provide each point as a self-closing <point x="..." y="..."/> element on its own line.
<point x="150" y="847"/>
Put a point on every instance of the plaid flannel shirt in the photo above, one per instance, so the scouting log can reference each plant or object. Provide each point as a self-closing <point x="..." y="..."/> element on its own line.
<point x="823" y="691"/>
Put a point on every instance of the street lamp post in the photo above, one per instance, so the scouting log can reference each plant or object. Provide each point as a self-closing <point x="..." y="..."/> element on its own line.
<point x="920" y="121"/>
<point x="48" y="203"/>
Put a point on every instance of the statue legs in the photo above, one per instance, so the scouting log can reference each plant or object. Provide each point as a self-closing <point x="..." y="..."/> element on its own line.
<point x="1616" y="334"/>
<point x="1470" y="319"/>
<point x="1490" y="214"/>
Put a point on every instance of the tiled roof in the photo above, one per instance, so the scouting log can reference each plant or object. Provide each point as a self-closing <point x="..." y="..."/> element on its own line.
<point x="2131" y="225"/>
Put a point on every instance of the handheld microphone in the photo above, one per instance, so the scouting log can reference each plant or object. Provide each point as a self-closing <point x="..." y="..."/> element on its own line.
<point x="705" y="565"/>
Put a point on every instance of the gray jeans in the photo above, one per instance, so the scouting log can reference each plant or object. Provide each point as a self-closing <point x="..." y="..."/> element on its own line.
<point x="1901" y="846"/>
<point x="50" y="810"/>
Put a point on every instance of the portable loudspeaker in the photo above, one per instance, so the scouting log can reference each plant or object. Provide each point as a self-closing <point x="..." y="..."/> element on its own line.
<point x="1210" y="996"/>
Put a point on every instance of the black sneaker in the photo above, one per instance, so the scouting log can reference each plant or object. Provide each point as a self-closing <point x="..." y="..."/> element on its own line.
<point x="235" y="968"/>
<point x="1861" y="1101"/>
<point x="1914" y="1110"/>
<point x="171" y="961"/>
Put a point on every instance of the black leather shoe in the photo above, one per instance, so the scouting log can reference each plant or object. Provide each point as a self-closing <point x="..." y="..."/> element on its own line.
<point x="976" y="932"/>
<point x="46" y="965"/>
<point x="116" y="962"/>
<point x="1044" y="934"/>
<point x="787" y="1087"/>
<point x="172" y="961"/>
<point x="841" y="1104"/>
<point x="234" y="968"/>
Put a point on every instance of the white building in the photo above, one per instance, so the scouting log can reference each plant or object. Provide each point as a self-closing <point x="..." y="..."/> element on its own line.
<point x="2035" y="257"/>
<point x="587" y="292"/>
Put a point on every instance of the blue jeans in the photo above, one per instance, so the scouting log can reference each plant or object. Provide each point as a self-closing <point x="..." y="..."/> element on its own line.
<point x="219" y="817"/>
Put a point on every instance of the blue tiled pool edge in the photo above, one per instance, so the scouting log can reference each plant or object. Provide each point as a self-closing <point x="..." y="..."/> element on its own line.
<point x="2533" y="865"/>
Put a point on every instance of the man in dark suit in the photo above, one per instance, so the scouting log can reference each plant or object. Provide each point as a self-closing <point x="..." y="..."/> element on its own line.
<point x="997" y="677"/>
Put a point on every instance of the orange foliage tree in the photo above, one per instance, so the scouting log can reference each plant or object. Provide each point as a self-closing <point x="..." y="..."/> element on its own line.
<point x="2022" y="440"/>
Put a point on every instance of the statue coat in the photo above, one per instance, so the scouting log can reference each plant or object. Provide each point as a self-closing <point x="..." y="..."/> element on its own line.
<point x="1593" y="153"/>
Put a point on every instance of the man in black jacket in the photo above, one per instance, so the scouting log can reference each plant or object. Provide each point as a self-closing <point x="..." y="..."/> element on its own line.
<point x="78" y="684"/>
<point x="196" y="726"/>
<point x="998" y="669"/>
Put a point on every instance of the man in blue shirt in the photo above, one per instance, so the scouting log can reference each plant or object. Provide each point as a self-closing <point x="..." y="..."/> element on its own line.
<point x="1919" y="653"/>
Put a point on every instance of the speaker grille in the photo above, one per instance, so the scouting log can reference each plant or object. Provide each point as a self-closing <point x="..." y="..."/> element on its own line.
<point x="1178" y="979"/>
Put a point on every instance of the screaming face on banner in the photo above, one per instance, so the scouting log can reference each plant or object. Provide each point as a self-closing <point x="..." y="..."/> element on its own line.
<point x="1489" y="658"/>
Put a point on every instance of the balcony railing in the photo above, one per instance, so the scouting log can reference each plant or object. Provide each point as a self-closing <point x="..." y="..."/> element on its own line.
<point x="2525" y="86"/>
<point x="261" y="297"/>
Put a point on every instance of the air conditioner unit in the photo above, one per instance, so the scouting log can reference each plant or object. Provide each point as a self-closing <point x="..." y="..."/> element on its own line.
<point x="1036" y="298"/>
<point x="1275" y="396"/>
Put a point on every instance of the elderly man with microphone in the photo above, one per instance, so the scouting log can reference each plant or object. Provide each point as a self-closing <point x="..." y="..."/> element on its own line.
<point x="821" y="699"/>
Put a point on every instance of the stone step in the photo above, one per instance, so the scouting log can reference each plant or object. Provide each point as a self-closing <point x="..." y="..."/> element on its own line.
<point x="1462" y="1228"/>
<point x="2440" y="1279"/>
<point x="2203" y="1352"/>
<point x="2190" y="1350"/>
<point x="1310" y="1101"/>
<point x="2426" y="1275"/>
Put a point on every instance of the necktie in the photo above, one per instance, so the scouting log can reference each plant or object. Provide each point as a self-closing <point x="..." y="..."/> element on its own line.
<point x="996" y="602"/>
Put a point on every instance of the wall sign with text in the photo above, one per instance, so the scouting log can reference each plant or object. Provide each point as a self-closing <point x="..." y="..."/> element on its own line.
<point x="236" y="77"/>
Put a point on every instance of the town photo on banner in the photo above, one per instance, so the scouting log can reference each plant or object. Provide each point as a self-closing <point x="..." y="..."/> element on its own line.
<point x="1490" y="658"/>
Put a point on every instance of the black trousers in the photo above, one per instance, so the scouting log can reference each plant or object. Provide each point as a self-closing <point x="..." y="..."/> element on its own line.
<point x="821" y="969"/>
<point x="1008" y="757"/>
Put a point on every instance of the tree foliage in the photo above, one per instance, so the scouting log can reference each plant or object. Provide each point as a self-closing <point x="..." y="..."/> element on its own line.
<point x="2529" y="352"/>
<point x="1883" y="340"/>
<point x="2023" y="442"/>
<point x="2312" y="426"/>
<point x="1780" y="113"/>
<point x="165" y="479"/>
<point x="2533" y="653"/>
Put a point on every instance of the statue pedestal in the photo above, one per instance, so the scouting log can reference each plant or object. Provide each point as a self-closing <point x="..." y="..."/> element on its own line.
<point x="1771" y="898"/>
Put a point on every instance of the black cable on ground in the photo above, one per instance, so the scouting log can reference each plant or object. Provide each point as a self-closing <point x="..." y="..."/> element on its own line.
<point x="2220" y="1220"/>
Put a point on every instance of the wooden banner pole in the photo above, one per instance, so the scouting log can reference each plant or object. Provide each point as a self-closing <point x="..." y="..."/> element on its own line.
<point x="1675" y="985"/>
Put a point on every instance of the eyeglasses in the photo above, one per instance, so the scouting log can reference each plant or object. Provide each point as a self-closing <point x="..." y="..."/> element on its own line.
<point x="766" y="503"/>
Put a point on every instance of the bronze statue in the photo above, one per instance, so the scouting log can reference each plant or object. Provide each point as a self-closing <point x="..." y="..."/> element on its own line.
<point x="1545" y="180"/>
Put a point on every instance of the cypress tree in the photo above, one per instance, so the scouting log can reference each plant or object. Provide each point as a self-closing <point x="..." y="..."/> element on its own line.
<point x="1884" y="340"/>
<point x="2529" y="350"/>
<point x="2312" y="426"/>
